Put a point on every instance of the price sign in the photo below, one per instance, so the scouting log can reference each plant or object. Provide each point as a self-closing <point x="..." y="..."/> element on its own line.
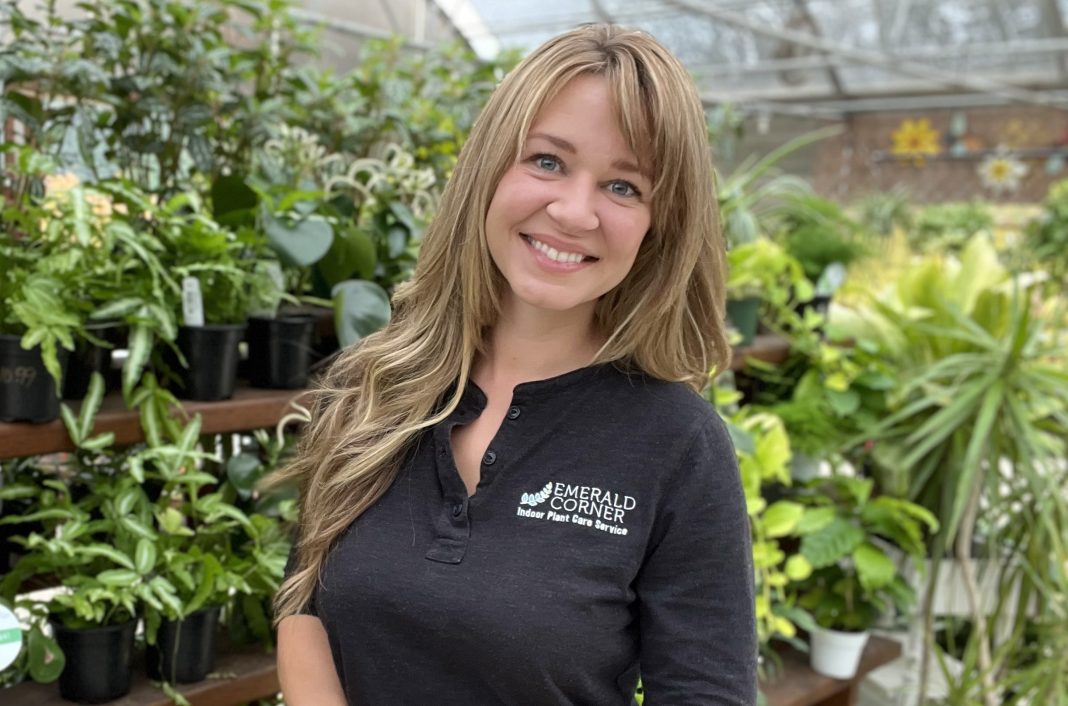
<point x="10" y="637"/>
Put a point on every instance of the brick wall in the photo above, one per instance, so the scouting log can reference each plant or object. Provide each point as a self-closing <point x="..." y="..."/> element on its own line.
<point x="858" y="162"/>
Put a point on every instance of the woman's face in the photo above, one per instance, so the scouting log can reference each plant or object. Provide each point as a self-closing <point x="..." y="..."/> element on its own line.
<point x="566" y="221"/>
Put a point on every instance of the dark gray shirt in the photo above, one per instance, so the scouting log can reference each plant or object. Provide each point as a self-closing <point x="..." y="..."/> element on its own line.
<point x="608" y="534"/>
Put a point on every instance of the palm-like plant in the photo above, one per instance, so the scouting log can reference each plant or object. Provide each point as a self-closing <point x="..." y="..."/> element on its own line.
<point x="981" y="421"/>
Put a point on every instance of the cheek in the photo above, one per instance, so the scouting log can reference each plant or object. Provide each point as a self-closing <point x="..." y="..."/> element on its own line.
<point x="629" y="229"/>
<point x="513" y="199"/>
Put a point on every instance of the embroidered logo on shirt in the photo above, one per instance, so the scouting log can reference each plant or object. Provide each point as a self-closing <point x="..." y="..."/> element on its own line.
<point x="535" y="499"/>
<point x="584" y="505"/>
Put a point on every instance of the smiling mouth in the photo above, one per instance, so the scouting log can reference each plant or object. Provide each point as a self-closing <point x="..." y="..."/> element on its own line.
<point x="554" y="254"/>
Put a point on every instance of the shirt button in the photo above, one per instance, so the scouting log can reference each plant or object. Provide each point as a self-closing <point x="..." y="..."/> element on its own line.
<point x="513" y="412"/>
<point x="457" y="509"/>
<point x="489" y="458"/>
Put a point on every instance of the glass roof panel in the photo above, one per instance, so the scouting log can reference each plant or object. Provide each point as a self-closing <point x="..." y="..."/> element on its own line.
<point x="741" y="50"/>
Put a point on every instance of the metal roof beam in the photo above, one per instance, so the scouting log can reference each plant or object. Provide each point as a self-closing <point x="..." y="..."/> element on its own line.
<point x="873" y="58"/>
<point x="903" y="88"/>
<point x="986" y="49"/>
<point x="1053" y="11"/>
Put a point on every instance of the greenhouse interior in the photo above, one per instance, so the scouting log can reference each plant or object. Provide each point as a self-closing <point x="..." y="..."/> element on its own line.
<point x="207" y="207"/>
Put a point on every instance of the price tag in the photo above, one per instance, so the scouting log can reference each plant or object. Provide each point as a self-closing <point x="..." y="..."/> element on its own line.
<point x="192" y="302"/>
<point x="10" y="637"/>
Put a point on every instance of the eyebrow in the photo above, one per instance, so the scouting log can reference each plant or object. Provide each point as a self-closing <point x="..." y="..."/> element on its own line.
<point x="563" y="144"/>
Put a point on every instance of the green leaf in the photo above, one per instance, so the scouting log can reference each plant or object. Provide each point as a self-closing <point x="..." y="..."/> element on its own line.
<point x="302" y="243"/>
<point x="844" y="403"/>
<point x="171" y="520"/>
<point x="71" y="423"/>
<point x="46" y="658"/>
<point x="816" y="519"/>
<point x="781" y="518"/>
<point x="99" y="442"/>
<point x="360" y="309"/>
<point x="118" y="577"/>
<point x="352" y="255"/>
<point x="90" y="405"/>
<point x="831" y="543"/>
<point x="874" y="567"/>
<point x="145" y="556"/>
<point x="116" y="309"/>
<point x="108" y="552"/>
<point x="243" y="471"/>
<point x="140" y="346"/>
<point x="798" y="568"/>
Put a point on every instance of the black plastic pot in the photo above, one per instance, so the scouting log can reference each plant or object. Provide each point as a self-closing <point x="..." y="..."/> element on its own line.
<point x="27" y="391"/>
<point x="98" y="662"/>
<point x="279" y="351"/>
<point x="820" y="302"/>
<point x="185" y="650"/>
<point x="88" y="359"/>
<point x="745" y="315"/>
<point x="212" y="355"/>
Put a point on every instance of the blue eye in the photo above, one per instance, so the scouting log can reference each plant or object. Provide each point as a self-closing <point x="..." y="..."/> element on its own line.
<point x="547" y="162"/>
<point x="624" y="188"/>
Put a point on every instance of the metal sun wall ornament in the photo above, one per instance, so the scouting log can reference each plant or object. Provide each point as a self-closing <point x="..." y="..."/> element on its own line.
<point x="915" y="140"/>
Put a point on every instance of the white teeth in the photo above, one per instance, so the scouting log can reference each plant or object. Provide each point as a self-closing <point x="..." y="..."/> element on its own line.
<point x="554" y="254"/>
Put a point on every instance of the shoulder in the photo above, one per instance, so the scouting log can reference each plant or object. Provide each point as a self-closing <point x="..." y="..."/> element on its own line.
<point x="671" y="406"/>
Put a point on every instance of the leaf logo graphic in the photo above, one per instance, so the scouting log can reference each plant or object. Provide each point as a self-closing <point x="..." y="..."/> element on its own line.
<point x="535" y="499"/>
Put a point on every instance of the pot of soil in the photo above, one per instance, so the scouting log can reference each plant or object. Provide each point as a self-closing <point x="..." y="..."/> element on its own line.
<point x="212" y="354"/>
<point x="744" y="314"/>
<point x="27" y="391"/>
<point x="279" y="351"/>
<point x="185" y="649"/>
<point x="89" y="358"/>
<point x="98" y="661"/>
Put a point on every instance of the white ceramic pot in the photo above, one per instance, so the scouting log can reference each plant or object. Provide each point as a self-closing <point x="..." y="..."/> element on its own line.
<point x="836" y="654"/>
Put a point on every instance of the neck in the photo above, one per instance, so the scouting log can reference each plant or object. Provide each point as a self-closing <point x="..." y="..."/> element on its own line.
<point x="534" y="344"/>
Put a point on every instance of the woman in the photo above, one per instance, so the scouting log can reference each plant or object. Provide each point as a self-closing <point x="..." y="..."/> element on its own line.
<point x="513" y="493"/>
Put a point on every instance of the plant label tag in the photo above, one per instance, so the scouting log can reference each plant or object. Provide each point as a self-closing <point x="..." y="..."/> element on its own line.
<point x="10" y="637"/>
<point x="831" y="279"/>
<point x="192" y="302"/>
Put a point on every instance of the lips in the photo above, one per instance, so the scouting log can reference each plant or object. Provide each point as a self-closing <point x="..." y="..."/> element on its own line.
<point x="557" y="245"/>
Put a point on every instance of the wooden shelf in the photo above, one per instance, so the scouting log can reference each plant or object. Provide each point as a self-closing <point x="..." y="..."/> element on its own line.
<point x="765" y="347"/>
<point x="240" y="677"/>
<point x="250" y="675"/>
<point x="249" y="408"/>
<point x="798" y="685"/>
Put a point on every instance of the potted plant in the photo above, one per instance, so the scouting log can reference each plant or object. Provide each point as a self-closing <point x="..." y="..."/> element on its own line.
<point x="93" y="618"/>
<point x="92" y="544"/>
<point x="209" y="553"/>
<point x="845" y="537"/>
<point x="820" y="236"/>
<point x="761" y="271"/>
<point x="40" y="311"/>
<point x="983" y="388"/>
<point x="215" y="269"/>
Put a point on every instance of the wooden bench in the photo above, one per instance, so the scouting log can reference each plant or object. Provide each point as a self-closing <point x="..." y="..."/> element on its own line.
<point x="798" y="685"/>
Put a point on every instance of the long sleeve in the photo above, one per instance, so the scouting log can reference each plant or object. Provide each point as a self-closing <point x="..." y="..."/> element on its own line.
<point x="695" y="587"/>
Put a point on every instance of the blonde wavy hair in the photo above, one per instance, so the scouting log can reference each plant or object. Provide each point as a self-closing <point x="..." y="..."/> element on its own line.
<point x="665" y="318"/>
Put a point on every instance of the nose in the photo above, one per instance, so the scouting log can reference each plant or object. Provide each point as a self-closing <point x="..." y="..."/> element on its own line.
<point x="574" y="206"/>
